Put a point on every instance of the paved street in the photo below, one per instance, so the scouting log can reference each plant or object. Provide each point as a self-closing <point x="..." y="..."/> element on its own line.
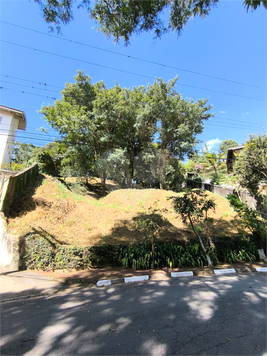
<point x="212" y="315"/>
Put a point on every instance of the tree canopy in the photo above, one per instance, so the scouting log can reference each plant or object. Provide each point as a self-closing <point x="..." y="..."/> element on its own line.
<point x="251" y="164"/>
<point x="122" y="18"/>
<point x="225" y="145"/>
<point x="104" y="127"/>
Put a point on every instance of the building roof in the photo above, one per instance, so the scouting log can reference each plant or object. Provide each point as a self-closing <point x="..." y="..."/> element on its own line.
<point x="236" y="148"/>
<point x="18" y="114"/>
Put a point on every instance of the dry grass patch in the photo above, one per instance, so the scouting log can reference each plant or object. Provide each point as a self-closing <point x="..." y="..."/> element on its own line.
<point x="50" y="206"/>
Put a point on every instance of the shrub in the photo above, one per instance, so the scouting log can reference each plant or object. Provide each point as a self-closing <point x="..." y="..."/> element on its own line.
<point x="43" y="255"/>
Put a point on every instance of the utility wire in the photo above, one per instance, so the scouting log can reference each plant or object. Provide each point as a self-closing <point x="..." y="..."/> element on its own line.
<point x="28" y="86"/>
<point x="124" y="71"/>
<point x="30" y="81"/>
<point x="133" y="57"/>
<point x="26" y="92"/>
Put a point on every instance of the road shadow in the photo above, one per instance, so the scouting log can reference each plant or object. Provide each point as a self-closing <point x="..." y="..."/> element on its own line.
<point x="223" y="315"/>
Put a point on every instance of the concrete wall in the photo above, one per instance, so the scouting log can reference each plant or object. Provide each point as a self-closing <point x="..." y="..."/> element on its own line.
<point x="223" y="191"/>
<point x="12" y="184"/>
<point x="9" y="248"/>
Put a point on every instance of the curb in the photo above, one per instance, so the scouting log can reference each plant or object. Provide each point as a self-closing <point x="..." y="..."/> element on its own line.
<point x="108" y="282"/>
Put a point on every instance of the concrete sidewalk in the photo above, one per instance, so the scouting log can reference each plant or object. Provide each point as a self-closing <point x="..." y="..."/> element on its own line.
<point x="23" y="284"/>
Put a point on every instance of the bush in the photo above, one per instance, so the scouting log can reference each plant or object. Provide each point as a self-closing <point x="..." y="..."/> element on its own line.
<point x="42" y="254"/>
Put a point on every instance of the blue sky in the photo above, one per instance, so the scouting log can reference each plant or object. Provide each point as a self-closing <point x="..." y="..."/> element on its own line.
<point x="229" y="44"/>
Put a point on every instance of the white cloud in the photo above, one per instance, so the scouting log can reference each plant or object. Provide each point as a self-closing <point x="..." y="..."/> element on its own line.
<point x="222" y="112"/>
<point x="245" y="113"/>
<point x="213" y="143"/>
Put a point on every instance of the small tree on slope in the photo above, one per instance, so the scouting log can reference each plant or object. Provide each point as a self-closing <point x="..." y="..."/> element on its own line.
<point x="192" y="206"/>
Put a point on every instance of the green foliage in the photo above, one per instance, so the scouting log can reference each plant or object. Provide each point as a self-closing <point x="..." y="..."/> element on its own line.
<point x="225" y="145"/>
<point x="250" y="219"/>
<point x="251" y="164"/>
<point x="111" y="131"/>
<point x="122" y="18"/>
<point x="190" y="166"/>
<point x="219" y="179"/>
<point x="40" y="254"/>
<point x="214" y="161"/>
<point x="43" y="255"/>
<point x="22" y="153"/>
<point x="194" y="205"/>
<point x="15" y="167"/>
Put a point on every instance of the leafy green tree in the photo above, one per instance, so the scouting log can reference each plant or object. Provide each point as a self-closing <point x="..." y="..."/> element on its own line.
<point x="179" y="121"/>
<point x="50" y="158"/>
<point x="192" y="206"/>
<point x="214" y="161"/>
<point x="190" y="166"/>
<point x="250" y="219"/>
<point x="22" y="152"/>
<point x="98" y="124"/>
<point x="123" y="18"/>
<point x="251" y="164"/>
<point x="225" y="145"/>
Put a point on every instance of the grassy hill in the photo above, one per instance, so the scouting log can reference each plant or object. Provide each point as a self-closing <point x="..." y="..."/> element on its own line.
<point x="76" y="214"/>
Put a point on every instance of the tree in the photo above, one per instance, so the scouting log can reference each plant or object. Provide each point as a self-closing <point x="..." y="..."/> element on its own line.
<point x="22" y="152"/>
<point x="100" y="124"/>
<point x="194" y="205"/>
<point x="123" y="18"/>
<point x="179" y="121"/>
<point x="214" y="161"/>
<point x="225" y="145"/>
<point x="251" y="220"/>
<point x="251" y="164"/>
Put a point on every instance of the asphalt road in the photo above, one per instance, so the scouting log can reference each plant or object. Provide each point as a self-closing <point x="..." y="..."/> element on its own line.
<point x="214" y="315"/>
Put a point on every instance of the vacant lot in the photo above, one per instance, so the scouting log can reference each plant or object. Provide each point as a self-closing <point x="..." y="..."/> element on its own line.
<point x="76" y="214"/>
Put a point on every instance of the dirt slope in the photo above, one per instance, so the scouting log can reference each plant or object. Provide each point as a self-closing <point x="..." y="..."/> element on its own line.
<point x="49" y="207"/>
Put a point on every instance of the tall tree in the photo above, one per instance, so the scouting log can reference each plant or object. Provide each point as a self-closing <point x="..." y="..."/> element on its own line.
<point x="225" y="145"/>
<point x="179" y="120"/>
<point x="100" y="124"/>
<point x="122" y="18"/>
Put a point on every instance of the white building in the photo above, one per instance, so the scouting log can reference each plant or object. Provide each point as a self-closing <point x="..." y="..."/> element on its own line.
<point x="10" y="121"/>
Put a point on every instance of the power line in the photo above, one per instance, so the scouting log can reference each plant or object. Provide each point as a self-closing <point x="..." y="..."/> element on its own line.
<point x="30" y="81"/>
<point x="133" y="57"/>
<point x="217" y="117"/>
<point x="26" y="92"/>
<point x="125" y="71"/>
<point x="28" y="86"/>
<point x="223" y="118"/>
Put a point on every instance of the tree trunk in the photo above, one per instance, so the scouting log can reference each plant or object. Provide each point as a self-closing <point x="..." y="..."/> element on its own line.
<point x="201" y="242"/>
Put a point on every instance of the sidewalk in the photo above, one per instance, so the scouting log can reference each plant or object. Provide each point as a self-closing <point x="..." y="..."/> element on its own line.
<point x="23" y="284"/>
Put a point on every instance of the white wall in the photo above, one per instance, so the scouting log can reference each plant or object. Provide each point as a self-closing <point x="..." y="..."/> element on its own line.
<point x="8" y="128"/>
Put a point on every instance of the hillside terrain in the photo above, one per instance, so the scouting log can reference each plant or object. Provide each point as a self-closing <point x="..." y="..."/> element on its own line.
<point x="76" y="214"/>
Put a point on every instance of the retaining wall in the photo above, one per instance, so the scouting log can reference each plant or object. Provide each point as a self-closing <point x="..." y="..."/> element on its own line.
<point x="11" y="185"/>
<point x="252" y="202"/>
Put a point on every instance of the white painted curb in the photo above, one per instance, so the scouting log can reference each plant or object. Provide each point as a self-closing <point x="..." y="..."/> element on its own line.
<point x="105" y="282"/>
<point x="181" y="274"/>
<point x="261" y="269"/>
<point x="135" y="279"/>
<point x="223" y="271"/>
